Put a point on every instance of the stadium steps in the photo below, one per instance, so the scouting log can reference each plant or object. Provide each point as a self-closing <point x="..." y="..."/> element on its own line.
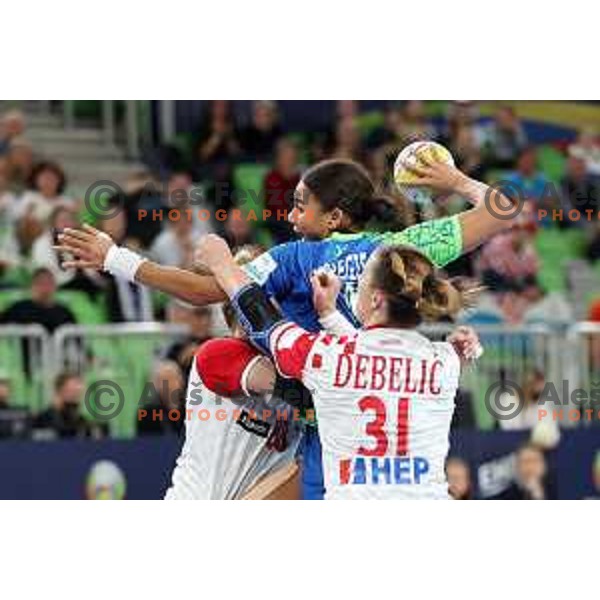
<point x="82" y="151"/>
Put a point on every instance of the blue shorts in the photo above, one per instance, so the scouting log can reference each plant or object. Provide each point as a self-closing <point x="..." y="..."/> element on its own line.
<point x="313" y="487"/>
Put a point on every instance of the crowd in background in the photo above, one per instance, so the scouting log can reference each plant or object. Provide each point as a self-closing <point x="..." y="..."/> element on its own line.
<point x="36" y="203"/>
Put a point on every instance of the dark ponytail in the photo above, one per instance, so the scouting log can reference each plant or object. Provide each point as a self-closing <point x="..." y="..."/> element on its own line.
<point x="383" y="214"/>
<point x="345" y="184"/>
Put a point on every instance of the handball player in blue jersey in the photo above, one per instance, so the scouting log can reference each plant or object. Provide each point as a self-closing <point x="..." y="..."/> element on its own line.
<point x="335" y="207"/>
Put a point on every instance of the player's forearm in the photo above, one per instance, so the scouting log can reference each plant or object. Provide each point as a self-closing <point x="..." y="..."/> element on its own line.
<point x="231" y="278"/>
<point x="190" y="287"/>
<point x="490" y="216"/>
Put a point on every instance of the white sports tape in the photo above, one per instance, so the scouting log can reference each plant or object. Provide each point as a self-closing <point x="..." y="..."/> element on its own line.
<point x="122" y="262"/>
<point x="337" y="324"/>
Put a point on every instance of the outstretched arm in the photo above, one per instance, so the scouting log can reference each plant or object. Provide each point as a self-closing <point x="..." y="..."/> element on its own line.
<point x="94" y="249"/>
<point x="493" y="212"/>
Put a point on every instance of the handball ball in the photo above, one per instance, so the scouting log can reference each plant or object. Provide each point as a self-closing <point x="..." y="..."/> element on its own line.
<point x="413" y="155"/>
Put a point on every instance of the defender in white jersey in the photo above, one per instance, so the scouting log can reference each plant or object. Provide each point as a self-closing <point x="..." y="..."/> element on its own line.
<point x="384" y="396"/>
<point x="234" y="440"/>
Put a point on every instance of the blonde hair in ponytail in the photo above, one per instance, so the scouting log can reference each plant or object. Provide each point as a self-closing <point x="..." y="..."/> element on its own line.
<point x="447" y="297"/>
<point x="415" y="291"/>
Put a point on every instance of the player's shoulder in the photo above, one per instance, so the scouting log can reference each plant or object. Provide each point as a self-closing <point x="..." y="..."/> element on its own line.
<point x="222" y="364"/>
<point x="289" y="334"/>
<point x="218" y="354"/>
<point x="446" y="352"/>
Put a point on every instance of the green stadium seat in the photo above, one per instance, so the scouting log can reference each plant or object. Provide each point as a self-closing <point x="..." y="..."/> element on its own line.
<point x="9" y="297"/>
<point x="551" y="162"/>
<point x="368" y="122"/>
<point x="85" y="310"/>
<point x="13" y="369"/>
<point x="248" y="180"/>
<point x="556" y="248"/>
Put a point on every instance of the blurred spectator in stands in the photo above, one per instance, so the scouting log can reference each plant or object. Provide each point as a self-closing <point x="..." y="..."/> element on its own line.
<point x="15" y="420"/>
<point x="506" y="139"/>
<point x="259" y="138"/>
<point x="509" y="265"/>
<point x="239" y="230"/>
<point x="217" y="147"/>
<point x="43" y="254"/>
<point x="531" y="183"/>
<point x="593" y="246"/>
<point x="126" y="301"/>
<point x="532" y="481"/>
<point x="129" y="301"/>
<point x="20" y="158"/>
<point x="414" y="125"/>
<point x="199" y="319"/>
<point x="347" y="142"/>
<point x="164" y="410"/>
<point x="587" y="148"/>
<point x="461" y="114"/>
<point x="46" y="186"/>
<point x="217" y="138"/>
<point x="64" y="419"/>
<point x="346" y="110"/>
<point x="12" y="125"/>
<point x="596" y="476"/>
<point x="466" y="151"/>
<point x="344" y="117"/>
<point x="581" y="192"/>
<point x="594" y="340"/>
<point x="533" y="411"/>
<point x="115" y="225"/>
<point x="184" y="195"/>
<point x="279" y="186"/>
<point x="463" y="416"/>
<point x="387" y="134"/>
<point x="458" y="474"/>
<point x="174" y="246"/>
<point x="42" y="308"/>
<point x="10" y="256"/>
<point x="143" y="204"/>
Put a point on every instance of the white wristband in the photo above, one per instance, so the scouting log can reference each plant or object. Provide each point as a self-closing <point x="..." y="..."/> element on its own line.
<point x="122" y="262"/>
<point x="337" y="324"/>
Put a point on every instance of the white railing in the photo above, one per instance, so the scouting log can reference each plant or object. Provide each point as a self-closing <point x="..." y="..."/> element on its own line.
<point x="116" y="350"/>
<point x="26" y="362"/>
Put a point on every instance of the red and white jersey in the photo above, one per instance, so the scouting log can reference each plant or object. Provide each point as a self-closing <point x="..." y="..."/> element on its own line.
<point x="230" y="444"/>
<point x="384" y="400"/>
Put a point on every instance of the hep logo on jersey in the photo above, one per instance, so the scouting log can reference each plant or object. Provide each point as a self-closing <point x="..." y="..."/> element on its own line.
<point x="387" y="470"/>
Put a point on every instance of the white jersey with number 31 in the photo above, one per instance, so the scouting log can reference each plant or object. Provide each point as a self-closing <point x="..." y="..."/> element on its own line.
<point x="384" y="400"/>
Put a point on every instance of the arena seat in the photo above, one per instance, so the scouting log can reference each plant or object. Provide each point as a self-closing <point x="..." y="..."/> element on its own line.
<point x="551" y="162"/>
<point x="12" y="368"/>
<point x="248" y="180"/>
<point x="127" y="360"/>
<point x="556" y="248"/>
<point x="85" y="310"/>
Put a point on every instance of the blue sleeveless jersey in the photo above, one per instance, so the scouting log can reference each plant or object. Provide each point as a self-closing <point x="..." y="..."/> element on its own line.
<point x="284" y="272"/>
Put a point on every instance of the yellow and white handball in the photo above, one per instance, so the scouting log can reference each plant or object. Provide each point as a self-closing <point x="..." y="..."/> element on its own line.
<point x="416" y="155"/>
